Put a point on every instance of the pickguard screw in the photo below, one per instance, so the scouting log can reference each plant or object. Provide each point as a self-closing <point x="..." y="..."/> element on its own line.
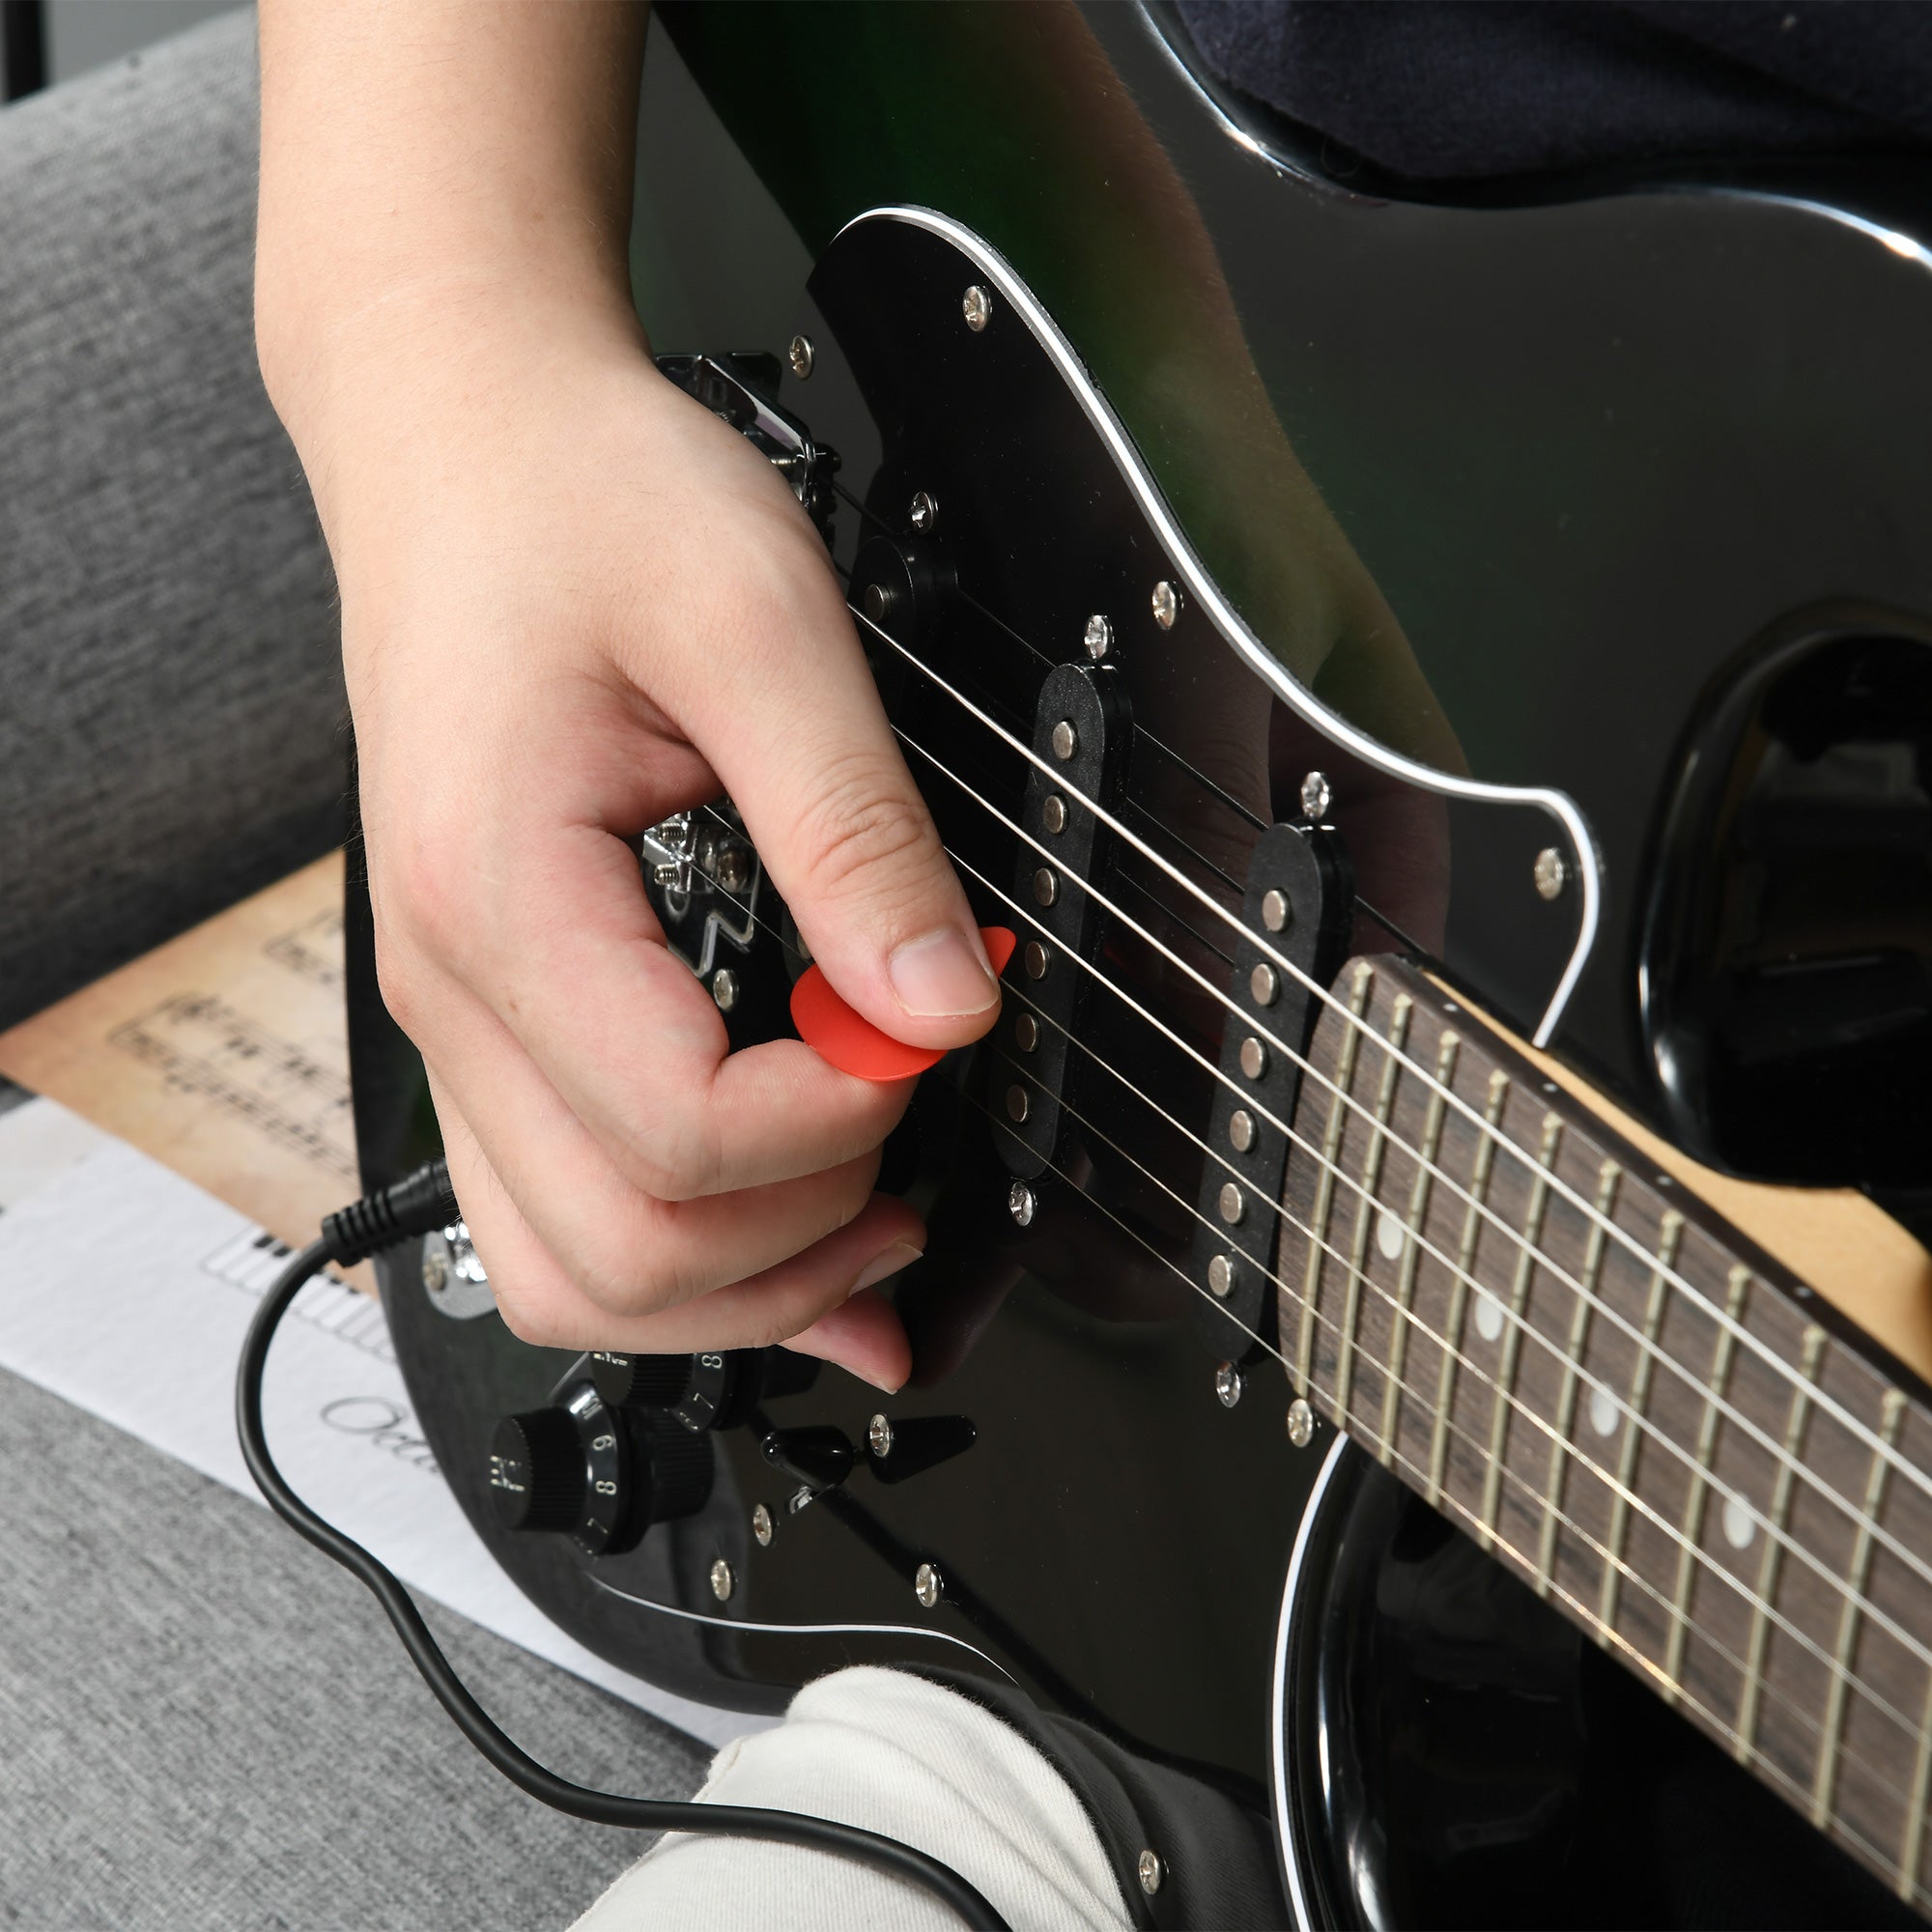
<point x="434" y="1267"/>
<point x="1233" y="1203"/>
<point x="1221" y="1275"/>
<point x="725" y="989"/>
<point x="722" y="1581"/>
<point x="1017" y="1111"/>
<point x="1166" y="603"/>
<point x="1148" y="1871"/>
<point x="1037" y="959"/>
<point x="925" y="511"/>
<point x="1228" y="1384"/>
<point x="928" y="1585"/>
<point x="1263" y="986"/>
<point x="1300" y="1423"/>
<point x="1551" y="875"/>
<point x="1026" y="1033"/>
<point x="799" y="356"/>
<point x="1064" y="743"/>
<point x="1276" y="911"/>
<point x="1315" y="798"/>
<point x="1021" y="1203"/>
<point x="1254" y="1057"/>
<point x="1052" y="813"/>
<point x="976" y="306"/>
<point x="1242" y="1130"/>
<point x="879" y="1434"/>
<point x="1045" y="887"/>
<point x="1099" y="637"/>
<point x="761" y="1526"/>
<point x="732" y="868"/>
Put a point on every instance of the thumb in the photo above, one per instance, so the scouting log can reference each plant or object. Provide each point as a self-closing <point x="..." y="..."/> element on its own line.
<point x="813" y="767"/>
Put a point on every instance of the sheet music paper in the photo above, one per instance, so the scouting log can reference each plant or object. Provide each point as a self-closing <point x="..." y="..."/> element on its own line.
<point x="127" y="1290"/>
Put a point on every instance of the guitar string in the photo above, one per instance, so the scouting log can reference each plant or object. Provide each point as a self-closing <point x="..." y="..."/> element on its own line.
<point x="1847" y="1755"/>
<point x="1821" y="1399"/>
<point x="1574" y="1450"/>
<point x="1780" y="1457"/>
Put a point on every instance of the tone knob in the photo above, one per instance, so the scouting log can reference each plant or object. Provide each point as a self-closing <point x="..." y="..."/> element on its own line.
<point x="596" y="1473"/>
<point x="640" y="1381"/>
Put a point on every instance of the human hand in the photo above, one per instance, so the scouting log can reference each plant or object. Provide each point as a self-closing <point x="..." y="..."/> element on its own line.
<point x="573" y="602"/>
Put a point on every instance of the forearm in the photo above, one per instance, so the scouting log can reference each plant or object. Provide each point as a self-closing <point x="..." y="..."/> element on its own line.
<point x="432" y="169"/>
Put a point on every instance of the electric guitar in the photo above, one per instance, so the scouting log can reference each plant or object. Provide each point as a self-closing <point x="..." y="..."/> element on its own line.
<point x="1422" y="1333"/>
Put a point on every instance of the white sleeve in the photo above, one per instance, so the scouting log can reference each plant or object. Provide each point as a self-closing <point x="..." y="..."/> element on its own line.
<point x="897" y="1755"/>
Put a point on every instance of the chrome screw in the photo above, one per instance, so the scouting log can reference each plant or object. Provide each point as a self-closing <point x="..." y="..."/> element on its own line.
<point x="1228" y="1384"/>
<point x="1045" y="887"/>
<point x="1551" y="875"/>
<point x="1242" y="1130"/>
<point x="1052" y="813"/>
<point x="1276" y="911"/>
<point x="725" y="989"/>
<point x="928" y="1585"/>
<point x="1166" y="603"/>
<point x="1016" y="1109"/>
<point x="1315" y="798"/>
<point x="1064" y="743"/>
<point x="1021" y="1203"/>
<point x="435" y="1266"/>
<point x="761" y="1526"/>
<point x="1221" y="1275"/>
<point x="1098" y="636"/>
<point x="879" y="1434"/>
<point x="1037" y="959"/>
<point x="1264" y="987"/>
<point x="1148" y="1869"/>
<point x="1233" y="1203"/>
<point x="925" y="511"/>
<point x="732" y="868"/>
<point x="1026" y="1033"/>
<point x="875" y="600"/>
<point x="799" y="356"/>
<point x="722" y="1581"/>
<point x="1254" y="1057"/>
<point x="1300" y="1423"/>
<point x="976" y="306"/>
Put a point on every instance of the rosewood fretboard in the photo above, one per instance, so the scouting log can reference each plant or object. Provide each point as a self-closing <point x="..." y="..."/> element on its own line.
<point x="1665" y="1435"/>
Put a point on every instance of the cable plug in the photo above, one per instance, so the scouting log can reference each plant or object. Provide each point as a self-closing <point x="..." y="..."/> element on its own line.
<point x="413" y="1206"/>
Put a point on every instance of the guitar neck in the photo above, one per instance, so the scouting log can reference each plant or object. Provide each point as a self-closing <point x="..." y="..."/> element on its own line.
<point x="1667" y="1436"/>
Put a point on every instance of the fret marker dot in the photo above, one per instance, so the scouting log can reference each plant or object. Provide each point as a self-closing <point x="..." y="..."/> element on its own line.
<point x="1603" y="1411"/>
<point x="1388" y="1234"/>
<point x="1740" y="1525"/>
<point x="1489" y="1315"/>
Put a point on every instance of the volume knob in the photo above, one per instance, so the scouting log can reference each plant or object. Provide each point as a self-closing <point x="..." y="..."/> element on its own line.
<point x="640" y="1381"/>
<point x="536" y="1470"/>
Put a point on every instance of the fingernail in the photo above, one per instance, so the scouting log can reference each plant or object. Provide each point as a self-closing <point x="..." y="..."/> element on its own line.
<point x="900" y="1254"/>
<point x="944" y="975"/>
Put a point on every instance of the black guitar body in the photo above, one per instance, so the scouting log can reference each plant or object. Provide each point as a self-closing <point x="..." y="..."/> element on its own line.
<point x="1128" y="1530"/>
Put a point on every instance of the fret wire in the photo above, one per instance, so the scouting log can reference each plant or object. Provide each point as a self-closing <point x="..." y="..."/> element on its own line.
<point x="1326" y="997"/>
<point x="1411" y="1253"/>
<point x="1648" y="1350"/>
<point x="1700" y="1480"/>
<point x="1607" y="1177"/>
<point x="1518" y="1304"/>
<point x="1915" y="1806"/>
<point x="1324" y="1187"/>
<point x="1774" y="1549"/>
<point x="1366" y="1211"/>
<point x="1891" y="1414"/>
<point x="1454" y="1324"/>
<point x="1593" y="1626"/>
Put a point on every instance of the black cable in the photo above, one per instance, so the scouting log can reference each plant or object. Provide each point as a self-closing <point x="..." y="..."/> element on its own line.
<point x="412" y="1208"/>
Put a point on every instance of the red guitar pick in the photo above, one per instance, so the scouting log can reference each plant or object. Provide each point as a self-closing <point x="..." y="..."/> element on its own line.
<point x="854" y="1044"/>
